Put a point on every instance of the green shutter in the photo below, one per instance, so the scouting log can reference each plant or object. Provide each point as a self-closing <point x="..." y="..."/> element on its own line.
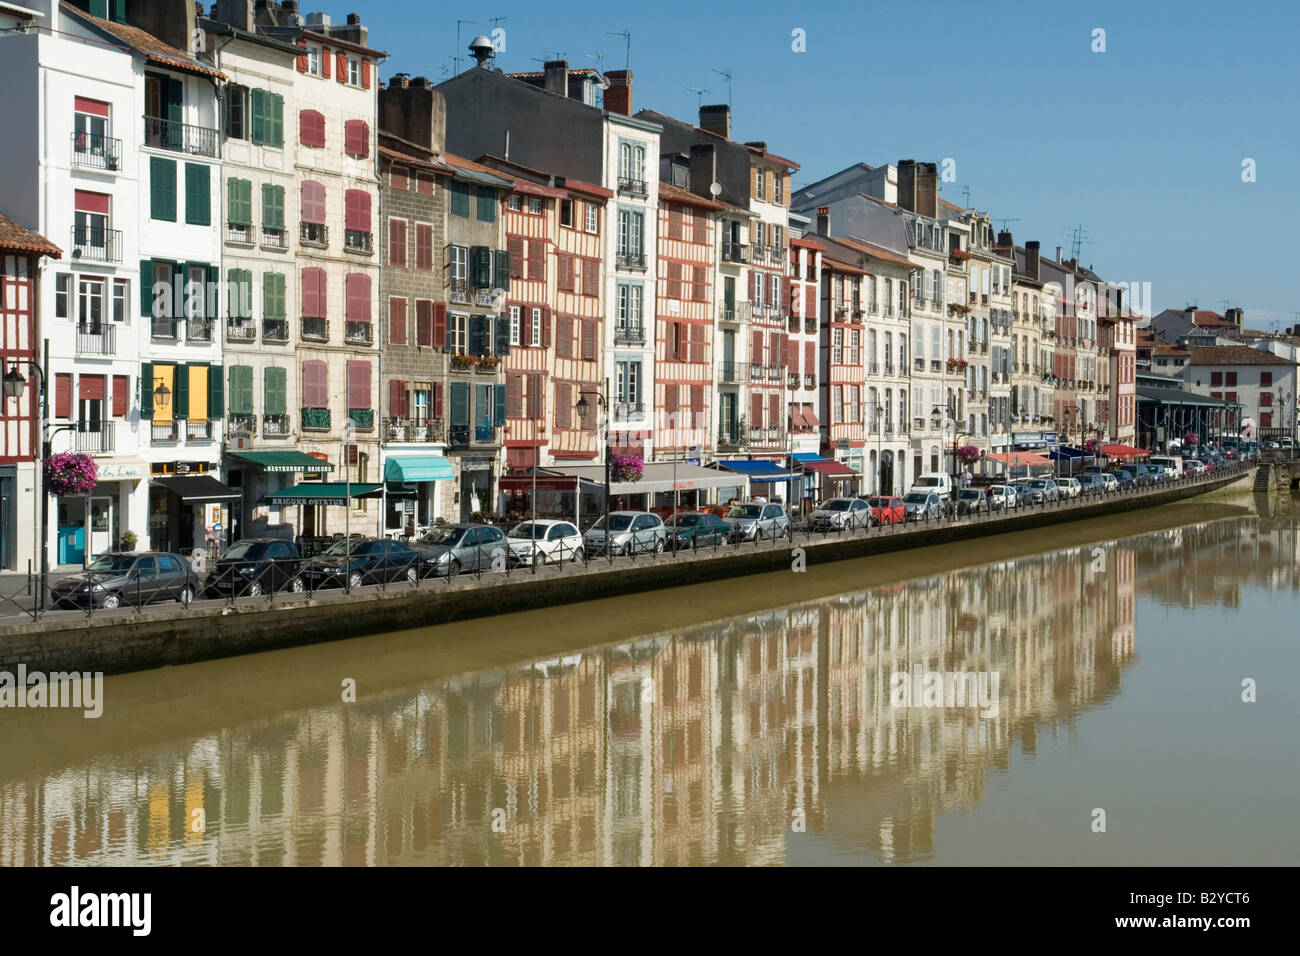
<point x="241" y="389"/>
<point x="275" y="398"/>
<point x="499" y="405"/>
<point x="146" y="287"/>
<point x="175" y="112"/>
<point x="198" y="195"/>
<point x="239" y="202"/>
<point x="216" y="398"/>
<point x="480" y="267"/>
<point x="273" y="295"/>
<point x="501" y="263"/>
<point x="272" y="206"/>
<point x="460" y="200"/>
<point x="487" y="204"/>
<point x="181" y="391"/>
<point x="162" y="189"/>
<point x="257" y="115"/>
<point x="146" y="391"/>
<point x="459" y="416"/>
<point x="275" y="120"/>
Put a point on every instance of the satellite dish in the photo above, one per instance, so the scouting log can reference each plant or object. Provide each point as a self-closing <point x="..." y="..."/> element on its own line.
<point x="715" y="190"/>
<point x="498" y="300"/>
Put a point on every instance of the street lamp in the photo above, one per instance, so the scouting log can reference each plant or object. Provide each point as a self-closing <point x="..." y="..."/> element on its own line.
<point x="583" y="407"/>
<point x="14" y="385"/>
<point x="880" y="444"/>
<point x="162" y="395"/>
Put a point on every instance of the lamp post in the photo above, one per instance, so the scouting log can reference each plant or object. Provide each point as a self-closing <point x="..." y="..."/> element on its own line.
<point x="880" y="445"/>
<point x="583" y="406"/>
<point x="936" y="414"/>
<point x="14" y="384"/>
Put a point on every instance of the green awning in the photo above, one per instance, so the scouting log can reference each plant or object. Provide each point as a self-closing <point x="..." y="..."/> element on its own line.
<point x="284" y="461"/>
<point x="418" y="468"/>
<point x="322" y="493"/>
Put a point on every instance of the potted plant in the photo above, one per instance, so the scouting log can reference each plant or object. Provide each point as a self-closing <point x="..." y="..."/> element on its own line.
<point x="70" y="473"/>
<point x="626" y="468"/>
<point x="128" y="541"/>
<point x="459" y="361"/>
<point x="969" y="453"/>
<point x="110" y="161"/>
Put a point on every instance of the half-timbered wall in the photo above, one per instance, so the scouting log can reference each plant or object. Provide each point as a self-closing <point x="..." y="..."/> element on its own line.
<point x="17" y="343"/>
<point x="684" y="328"/>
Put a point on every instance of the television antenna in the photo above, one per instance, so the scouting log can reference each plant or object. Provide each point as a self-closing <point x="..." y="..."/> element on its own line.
<point x="726" y="75"/>
<point x="627" y="37"/>
<point x="599" y="57"/>
<point x="699" y="92"/>
<point x="965" y="191"/>
<point x="1004" y="222"/>
<point x="456" y="58"/>
<point x="1078" y="239"/>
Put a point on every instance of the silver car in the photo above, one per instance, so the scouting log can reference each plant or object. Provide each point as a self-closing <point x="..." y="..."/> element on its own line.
<point x="756" y="520"/>
<point x="1044" y="489"/>
<point x="630" y="532"/>
<point x="922" y="506"/>
<point x="1003" y="497"/>
<point x="841" y="514"/>
<point x="450" y="549"/>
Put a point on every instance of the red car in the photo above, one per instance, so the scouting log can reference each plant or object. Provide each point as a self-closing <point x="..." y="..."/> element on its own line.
<point x="887" y="510"/>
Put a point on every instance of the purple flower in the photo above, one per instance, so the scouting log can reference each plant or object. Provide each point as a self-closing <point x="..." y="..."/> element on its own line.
<point x="70" y="473"/>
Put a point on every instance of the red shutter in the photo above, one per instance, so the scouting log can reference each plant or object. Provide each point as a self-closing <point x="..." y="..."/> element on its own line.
<point x="357" y="210"/>
<point x="91" y="387"/>
<point x="774" y="409"/>
<point x="514" y="395"/>
<point x="439" y="325"/>
<point x="356" y="138"/>
<point x="437" y="400"/>
<point x="756" y="355"/>
<point x="121" y="388"/>
<point x="515" y="246"/>
<point x="357" y="288"/>
<point x="756" y="410"/>
<point x="546" y="328"/>
<point x="670" y="399"/>
<point x="397" y="242"/>
<point x="792" y="355"/>
<point x="588" y="340"/>
<point x="536" y="259"/>
<point x="302" y="62"/>
<point x="365" y="74"/>
<point x="359" y="384"/>
<point x="591" y="277"/>
<point x="563" y="405"/>
<point x="325" y="63"/>
<point x="342" y="66"/>
<point x="311" y="128"/>
<point x="396" y="398"/>
<point x="313" y="292"/>
<point x="810" y="358"/>
<point x="424" y="247"/>
<point x="315" y="387"/>
<point x="563" y="336"/>
<point x="697" y="398"/>
<point x="313" y="202"/>
<point x="699" y="227"/>
<point x="397" y="321"/>
<point x="423" y="322"/>
<point x="85" y="201"/>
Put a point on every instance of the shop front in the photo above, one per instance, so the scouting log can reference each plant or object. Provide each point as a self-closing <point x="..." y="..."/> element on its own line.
<point x="765" y="479"/>
<point x="311" y="495"/>
<point x="412" y="491"/>
<point x="826" y="479"/>
<point x="189" y="511"/>
<point x="477" y="487"/>
<point x="662" y="487"/>
<point x="87" y="525"/>
<point x="256" y="474"/>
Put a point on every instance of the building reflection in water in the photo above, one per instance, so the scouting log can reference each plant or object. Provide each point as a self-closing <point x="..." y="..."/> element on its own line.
<point x="699" y="746"/>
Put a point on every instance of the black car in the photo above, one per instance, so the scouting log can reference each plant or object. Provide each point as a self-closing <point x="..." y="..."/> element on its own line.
<point x="256" y="566"/>
<point x="362" y="561"/>
<point x="125" y="577"/>
<point x="691" y="529"/>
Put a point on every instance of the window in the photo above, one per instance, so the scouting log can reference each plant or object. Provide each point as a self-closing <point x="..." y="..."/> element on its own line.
<point x="566" y="212"/>
<point x="760" y="184"/>
<point x="514" y="203"/>
<point x="397" y="321"/>
<point x="354" y="71"/>
<point x="272" y="208"/>
<point x="236" y="112"/>
<point x="460" y="200"/>
<point x="535" y="328"/>
<point x="514" y="324"/>
<point x="627" y="385"/>
<point x="356" y="138"/>
<point x="629" y="306"/>
<point x="397" y="242"/>
<point x="487" y="205"/>
<point x="311" y="128"/>
<point x="534" y="205"/>
<point x="630" y="231"/>
<point x="631" y="162"/>
<point x="460" y="263"/>
<point x="592" y="212"/>
<point x="90" y="310"/>
<point x="267" y="118"/>
<point x="1265" y="378"/>
<point x="198" y="197"/>
<point x="162" y="189"/>
<point x="313" y="60"/>
<point x="62" y="294"/>
<point x="120" y="291"/>
<point x="458" y="333"/>
<point x="423" y="246"/>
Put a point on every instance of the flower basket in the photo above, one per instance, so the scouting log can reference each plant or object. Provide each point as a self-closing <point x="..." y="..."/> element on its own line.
<point x="70" y="473"/>
<point x="959" y="254"/>
<point x="463" y="361"/>
<point x="955" y="308"/>
<point x="957" y="365"/>
<point x="626" y="468"/>
<point x="1192" y="438"/>
<point x="969" y="453"/>
<point x="1092" y="446"/>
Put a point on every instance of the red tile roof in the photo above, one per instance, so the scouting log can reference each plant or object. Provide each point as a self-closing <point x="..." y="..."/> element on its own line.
<point x="582" y="71"/>
<point x="15" y="238"/>
<point x="1235" y="355"/>
<point x="147" y="45"/>
<point x="407" y="157"/>
<point x="876" y="252"/>
<point x="676" y="194"/>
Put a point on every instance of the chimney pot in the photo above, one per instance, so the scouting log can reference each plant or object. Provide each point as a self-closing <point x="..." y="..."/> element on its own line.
<point x="354" y="19"/>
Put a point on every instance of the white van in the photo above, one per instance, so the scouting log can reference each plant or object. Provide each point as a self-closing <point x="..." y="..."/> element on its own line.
<point x="1173" y="467"/>
<point x="938" y="482"/>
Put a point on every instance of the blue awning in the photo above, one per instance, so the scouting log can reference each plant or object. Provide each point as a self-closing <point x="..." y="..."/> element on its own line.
<point x="1066" y="453"/>
<point x="757" y="470"/>
<point x="803" y="457"/>
<point x="418" y="468"/>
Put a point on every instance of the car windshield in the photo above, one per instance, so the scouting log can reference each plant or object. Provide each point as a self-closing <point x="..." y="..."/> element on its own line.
<point x="968" y="494"/>
<point x="683" y="521"/>
<point x="340" y="547"/>
<point x="997" y="490"/>
<point x="617" y="522"/>
<point x="529" y="530"/>
<point x="241" y="549"/>
<point x="1038" y="483"/>
<point x="836" y="504"/>
<point x="924" y="482"/>
<point x="916" y="498"/>
<point x="745" y="511"/>
<point x="111" y="564"/>
<point x="444" y="536"/>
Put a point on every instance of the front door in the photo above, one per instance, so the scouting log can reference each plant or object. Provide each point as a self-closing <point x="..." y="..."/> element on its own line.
<point x="886" y="473"/>
<point x="101" y="525"/>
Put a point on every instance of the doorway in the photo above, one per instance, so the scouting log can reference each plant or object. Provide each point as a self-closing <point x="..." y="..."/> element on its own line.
<point x="887" y="473"/>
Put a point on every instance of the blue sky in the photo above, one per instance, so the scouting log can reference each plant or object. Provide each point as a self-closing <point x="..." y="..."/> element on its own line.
<point x="1143" y="143"/>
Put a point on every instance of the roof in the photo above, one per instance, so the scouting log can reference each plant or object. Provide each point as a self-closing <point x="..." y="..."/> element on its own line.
<point x="476" y="172"/>
<point x="341" y="44"/>
<point x="146" y="44"/>
<point x="538" y="183"/>
<point x="391" y="153"/>
<point x="538" y="74"/>
<point x="1235" y="355"/>
<point x="835" y="265"/>
<point x="17" y="239"/>
<point x="676" y="194"/>
<point x="1164" y="348"/>
<point x="877" y="252"/>
<point x="22" y="13"/>
<point x="708" y="132"/>
<point x="1176" y="396"/>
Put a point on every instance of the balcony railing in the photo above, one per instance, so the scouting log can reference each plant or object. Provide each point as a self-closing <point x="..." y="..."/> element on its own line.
<point x="96" y="244"/>
<point x="629" y="333"/>
<point x="356" y="241"/>
<point x="163" y="433"/>
<point x="241" y="425"/>
<point x="889" y="369"/>
<point x="935" y="365"/>
<point x="632" y="187"/>
<point x="873" y="368"/>
<point x="757" y="372"/>
<point x="94" y="437"/>
<point x="95" y="339"/>
<point x="729" y="435"/>
<point x="198" y="431"/>
<point x="274" y="239"/>
<point x="809" y="380"/>
<point x="731" y="373"/>
<point x="241" y="234"/>
<point x="181" y="137"/>
<point x="774" y="373"/>
<point x="315" y="234"/>
<point x="736" y="312"/>
<point x="316" y="419"/>
<point x="628" y="411"/>
<point x="809" y="324"/>
<point x="275" y="331"/>
<point x="460" y="291"/>
<point x="919" y="364"/>
<point x="241" y="330"/>
<point x="734" y="252"/>
<point x="792" y="380"/>
<point x="363" y="418"/>
<point x="632" y="260"/>
<point x="94" y="151"/>
<point x="315" y="328"/>
<point x="758" y="434"/>
<point x="361" y="333"/>
<point x="198" y="330"/>
<point x="277" y="426"/>
<point x="162" y="327"/>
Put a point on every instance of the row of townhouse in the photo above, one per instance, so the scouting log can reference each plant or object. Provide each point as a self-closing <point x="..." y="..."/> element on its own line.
<point x="298" y="300"/>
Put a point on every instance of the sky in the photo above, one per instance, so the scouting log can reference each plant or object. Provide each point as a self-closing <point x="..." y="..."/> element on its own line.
<point x="1143" y="143"/>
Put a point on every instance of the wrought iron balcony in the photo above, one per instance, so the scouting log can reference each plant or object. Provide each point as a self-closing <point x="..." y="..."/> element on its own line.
<point x="632" y="260"/>
<point x="96" y="339"/>
<point x="314" y="234"/>
<point x="93" y="438"/>
<point x="459" y="291"/>
<point x="632" y="187"/>
<point x="96" y="244"/>
<point x="241" y="425"/>
<point x="241" y="234"/>
<point x="198" y="431"/>
<point x="364" y="418"/>
<point x="735" y="252"/>
<point x="315" y="328"/>
<point x="180" y="137"/>
<point x="198" y="329"/>
<point x="241" y="330"/>
<point x="316" y="419"/>
<point x="731" y="373"/>
<point x="354" y="240"/>
<point x="276" y="426"/>
<point x="162" y="434"/>
<point x="275" y="330"/>
<point x="628" y="411"/>
<point x="94" y="151"/>
<point x="809" y="380"/>
<point x="275" y="239"/>
<point x="629" y="333"/>
<point x="361" y="333"/>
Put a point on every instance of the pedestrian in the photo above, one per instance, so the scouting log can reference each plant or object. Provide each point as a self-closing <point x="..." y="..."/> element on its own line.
<point x="966" y="477"/>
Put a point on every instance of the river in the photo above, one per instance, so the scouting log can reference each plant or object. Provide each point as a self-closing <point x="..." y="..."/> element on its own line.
<point x="751" y="721"/>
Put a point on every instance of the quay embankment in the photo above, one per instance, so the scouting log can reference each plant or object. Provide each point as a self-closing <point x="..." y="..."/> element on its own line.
<point x="130" y="640"/>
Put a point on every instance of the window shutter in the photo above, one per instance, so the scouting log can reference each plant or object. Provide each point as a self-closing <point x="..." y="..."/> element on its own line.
<point x="546" y="328"/>
<point x="302" y="62"/>
<point x="423" y="322"/>
<point x="487" y="204"/>
<point x="162" y="189"/>
<point x="591" y="277"/>
<point x="397" y="321"/>
<point x="121" y="388"/>
<point x="774" y="409"/>
<point x="275" y="120"/>
<point x="397" y="242"/>
<point x="359" y="385"/>
<point x="238" y="207"/>
<point x="62" y="396"/>
<point x="146" y="390"/>
<point x="342" y="64"/>
<point x="699" y="227"/>
<point x="535" y="403"/>
<point x="437" y="400"/>
<point x="396" y="398"/>
<point x="480" y="259"/>
<point x="180" y="392"/>
<point x="756" y="353"/>
<point x="357" y="290"/>
<point x="697" y="343"/>
<point x="515" y="250"/>
<point x="563" y="336"/>
<point x="498" y="405"/>
<point x="671" y="392"/>
<point x="312" y="293"/>
<point x="357" y="204"/>
<point x="514" y="395"/>
<point x="756" y="410"/>
<point x="240" y="402"/>
<point x="311" y="128"/>
<point x="536" y="259"/>
<point x="423" y="247"/>
<point x="356" y="138"/>
<point x="589" y="340"/>
<point x="365" y="74"/>
<point x="439" y="325"/>
<point x="810" y="358"/>
<point x="460" y="404"/>
<point x="146" y="287"/>
<point x="501" y="345"/>
<point x="313" y="202"/>
<point x="792" y="355"/>
<point x="275" y="398"/>
<point x="697" y="398"/>
<point x="258" y="112"/>
<point x="563" y="406"/>
<point x="501" y="267"/>
<point x="198" y="195"/>
<point x="273" y="301"/>
<point x="326" y="58"/>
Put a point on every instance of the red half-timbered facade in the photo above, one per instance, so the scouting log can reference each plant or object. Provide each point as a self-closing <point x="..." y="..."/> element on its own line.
<point x="684" y="321"/>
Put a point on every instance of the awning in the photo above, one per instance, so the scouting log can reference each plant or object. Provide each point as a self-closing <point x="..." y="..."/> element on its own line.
<point x="810" y="417"/>
<point x="321" y="493"/>
<point x="197" y="488"/>
<point x="1066" y="453"/>
<point x="284" y="461"/>
<point x="757" y="469"/>
<point x="418" y="468"/>
<point x="824" y="466"/>
<point x="1018" y="459"/>
<point x="657" y="476"/>
<point x="1124" y="451"/>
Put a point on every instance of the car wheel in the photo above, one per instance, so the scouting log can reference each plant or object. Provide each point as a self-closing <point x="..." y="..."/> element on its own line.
<point x="659" y="545"/>
<point x="112" y="601"/>
<point x="578" y="554"/>
<point x="255" y="589"/>
<point x="185" y="596"/>
<point x="412" y="575"/>
<point x="354" y="579"/>
<point x="453" y="568"/>
<point x="296" y="585"/>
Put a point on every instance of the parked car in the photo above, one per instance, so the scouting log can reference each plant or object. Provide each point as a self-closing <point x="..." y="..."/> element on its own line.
<point x="1004" y="497"/>
<point x="753" y="520"/>
<point x="691" y="529"/>
<point x="449" y="549"/>
<point x="1150" y="474"/>
<point x="938" y="482"/>
<point x="1092" y="485"/>
<point x="630" y="532"/>
<point x="1110" y="483"/>
<point x="1044" y="489"/>
<point x="126" y="577"/>
<point x="973" y="501"/>
<point x="841" y="514"/>
<point x="922" y="506"/>
<point x="887" y="510"/>
<point x="1193" y="467"/>
<point x="1173" y="467"/>
<point x="1070" y="487"/>
<point x="361" y="561"/>
<point x="542" y="542"/>
<point x="255" y="566"/>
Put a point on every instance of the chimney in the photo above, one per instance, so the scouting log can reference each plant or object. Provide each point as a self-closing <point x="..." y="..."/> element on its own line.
<point x="1031" y="259"/>
<point x="824" y="220"/>
<point x="555" y="77"/>
<point x="172" y="21"/>
<point x="412" y="110"/>
<point x="907" y="184"/>
<point x="618" y="98"/>
<point x="716" y="119"/>
<point x="318" y="22"/>
<point x="235" y="13"/>
<point x="927" y="189"/>
<point x="1058" y="254"/>
<point x="704" y="168"/>
<point x="400" y="80"/>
